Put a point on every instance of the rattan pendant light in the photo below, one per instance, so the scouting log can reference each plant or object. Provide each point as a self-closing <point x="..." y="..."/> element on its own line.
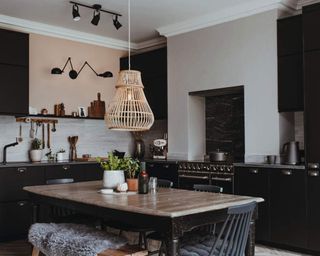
<point x="129" y="110"/>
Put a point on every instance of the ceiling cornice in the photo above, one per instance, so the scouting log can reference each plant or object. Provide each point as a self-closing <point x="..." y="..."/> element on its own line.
<point x="28" y="26"/>
<point x="239" y="11"/>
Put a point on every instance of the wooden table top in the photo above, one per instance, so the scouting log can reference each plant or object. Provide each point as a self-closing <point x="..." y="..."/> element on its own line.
<point x="166" y="202"/>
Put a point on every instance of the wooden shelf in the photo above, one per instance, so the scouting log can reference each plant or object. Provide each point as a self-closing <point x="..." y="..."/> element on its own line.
<point x="66" y="116"/>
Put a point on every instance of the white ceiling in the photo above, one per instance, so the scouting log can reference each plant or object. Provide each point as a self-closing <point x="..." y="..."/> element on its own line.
<point x="148" y="16"/>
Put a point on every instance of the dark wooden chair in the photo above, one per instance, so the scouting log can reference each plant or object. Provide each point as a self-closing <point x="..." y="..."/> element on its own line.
<point x="162" y="183"/>
<point x="231" y="240"/>
<point x="207" y="188"/>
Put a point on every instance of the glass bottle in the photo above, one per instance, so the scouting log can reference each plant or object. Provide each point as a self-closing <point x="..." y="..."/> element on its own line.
<point x="143" y="180"/>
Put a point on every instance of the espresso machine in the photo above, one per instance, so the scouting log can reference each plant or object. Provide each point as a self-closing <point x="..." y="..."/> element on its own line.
<point x="159" y="149"/>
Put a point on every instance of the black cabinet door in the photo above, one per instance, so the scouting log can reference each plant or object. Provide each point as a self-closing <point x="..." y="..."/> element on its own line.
<point x="312" y="106"/>
<point x="290" y="35"/>
<point x="313" y="211"/>
<point x="290" y="83"/>
<point x="64" y="172"/>
<point x="311" y="27"/>
<point x="91" y="172"/>
<point x="14" y="48"/>
<point x="255" y="182"/>
<point x="13" y="179"/>
<point x="167" y="171"/>
<point x="14" y="96"/>
<point x="15" y="219"/>
<point x="288" y="207"/>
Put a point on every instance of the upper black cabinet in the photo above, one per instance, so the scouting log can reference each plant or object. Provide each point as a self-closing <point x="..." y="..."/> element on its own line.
<point x="14" y="48"/>
<point x="290" y="64"/>
<point x="153" y="67"/>
<point x="311" y="27"/>
<point x="14" y="73"/>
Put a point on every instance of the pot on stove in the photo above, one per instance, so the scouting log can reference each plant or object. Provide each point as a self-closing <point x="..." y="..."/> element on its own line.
<point x="218" y="156"/>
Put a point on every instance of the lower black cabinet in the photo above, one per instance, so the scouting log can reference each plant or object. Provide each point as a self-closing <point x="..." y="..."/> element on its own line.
<point x="288" y="207"/>
<point x="313" y="211"/>
<point x="167" y="171"/>
<point x="15" y="219"/>
<point x="255" y="182"/>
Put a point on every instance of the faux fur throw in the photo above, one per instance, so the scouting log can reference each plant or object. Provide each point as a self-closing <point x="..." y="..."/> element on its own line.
<point x="71" y="239"/>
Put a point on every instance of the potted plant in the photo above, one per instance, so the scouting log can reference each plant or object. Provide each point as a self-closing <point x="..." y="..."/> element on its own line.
<point x="60" y="155"/>
<point x="132" y="168"/>
<point x="36" y="151"/>
<point x="113" y="175"/>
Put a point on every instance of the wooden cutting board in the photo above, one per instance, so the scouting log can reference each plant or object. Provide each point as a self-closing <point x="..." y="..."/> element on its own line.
<point x="97" y="108"/>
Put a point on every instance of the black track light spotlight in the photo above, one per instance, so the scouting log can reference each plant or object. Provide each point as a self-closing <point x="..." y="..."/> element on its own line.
<point x="106" y="74"/>
<point x="56" y="71"/>
<point x="116" y="23"/>
<point x="96" y="14"/>
<point x="75" y="12"/>
<point x="73" y="74"/>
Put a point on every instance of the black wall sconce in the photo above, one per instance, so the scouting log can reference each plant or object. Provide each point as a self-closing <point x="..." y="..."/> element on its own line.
<point x="73" y="74"/>
<point x="97" y="9"/>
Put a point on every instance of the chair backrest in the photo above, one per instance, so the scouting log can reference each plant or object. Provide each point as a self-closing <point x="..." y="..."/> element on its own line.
<point x="59" y="181"/>
<point x="233" y="235"/>
<point x="207" y="188"/>
<point x="165" y="183"/>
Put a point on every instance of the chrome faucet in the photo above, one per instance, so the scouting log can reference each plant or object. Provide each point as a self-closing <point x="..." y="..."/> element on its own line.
<point x="5" y="151"/>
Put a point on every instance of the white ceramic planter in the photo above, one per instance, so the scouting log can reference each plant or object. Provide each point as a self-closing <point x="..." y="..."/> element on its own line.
<point x="36" y="155"/>
<point x="111" y="179"/>
<point x="60" y="157"/>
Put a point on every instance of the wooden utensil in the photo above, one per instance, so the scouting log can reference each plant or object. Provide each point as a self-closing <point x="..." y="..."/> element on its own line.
<point x="48" y="134"/>
<point x="43" y="141"/>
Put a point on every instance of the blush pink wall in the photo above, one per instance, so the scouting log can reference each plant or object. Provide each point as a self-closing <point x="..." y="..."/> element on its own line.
<point x="47" y="90"/>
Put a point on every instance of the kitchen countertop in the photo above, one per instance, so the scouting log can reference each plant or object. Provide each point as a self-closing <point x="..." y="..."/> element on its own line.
<point x="44" y="163"/>
<point x="265" y="165"/>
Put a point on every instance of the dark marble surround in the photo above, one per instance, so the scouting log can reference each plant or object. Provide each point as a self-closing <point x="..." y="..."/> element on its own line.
<point x="225" y="122"/>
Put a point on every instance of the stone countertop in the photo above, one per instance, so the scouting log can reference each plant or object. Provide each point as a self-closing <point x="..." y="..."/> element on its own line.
<point x="270" y="166"/>
<point x="44" y="163"/>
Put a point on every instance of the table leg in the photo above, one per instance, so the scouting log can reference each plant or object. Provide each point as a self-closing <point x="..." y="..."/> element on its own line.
<point x="172" y="247"/>
<point x="251" y="239"/>
<point x="35" y="213"/>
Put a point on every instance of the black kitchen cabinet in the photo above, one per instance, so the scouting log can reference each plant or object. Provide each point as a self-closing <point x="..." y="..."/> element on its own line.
<point x="15" y="219"/>
<point x="290" y="64"/>
<point x="153" y="67"/>
<point x="312" y="106"/>
<point x="313" y="210"/>
<point x="79" y="172"/>
<point x="14" y="48"/>
<point x="311" y="26"/>
<point x="14" y="73"/>
<point x="288" y="207"/>
<point x="167" y="171"/>
<point x="255" y="182"/>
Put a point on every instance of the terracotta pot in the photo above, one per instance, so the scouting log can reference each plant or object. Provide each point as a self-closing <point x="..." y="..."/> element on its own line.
<point x="132" y="184"/>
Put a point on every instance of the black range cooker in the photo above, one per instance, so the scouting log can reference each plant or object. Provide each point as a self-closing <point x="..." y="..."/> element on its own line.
<point x="212" y="173"/>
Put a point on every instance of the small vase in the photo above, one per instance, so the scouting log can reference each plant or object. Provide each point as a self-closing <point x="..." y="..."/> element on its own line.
<point x="111" y="179"/>
<point x="60" y="157"/>
<point x="36" y="155"/>
<point x="132" y="184"/>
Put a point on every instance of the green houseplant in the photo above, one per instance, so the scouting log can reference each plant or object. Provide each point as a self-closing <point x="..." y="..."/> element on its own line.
<point x="36" y="151"/>
<point x="60" y="155"/>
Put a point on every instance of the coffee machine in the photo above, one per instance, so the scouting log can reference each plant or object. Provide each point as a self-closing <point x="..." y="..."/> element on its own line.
<point x="159" y="149"/>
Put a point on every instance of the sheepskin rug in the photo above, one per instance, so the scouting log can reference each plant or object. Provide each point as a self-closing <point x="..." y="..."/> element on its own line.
<point x="71" y="239"/>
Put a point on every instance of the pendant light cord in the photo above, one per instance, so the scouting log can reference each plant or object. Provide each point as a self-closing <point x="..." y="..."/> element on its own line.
<point x="129" y="33"/>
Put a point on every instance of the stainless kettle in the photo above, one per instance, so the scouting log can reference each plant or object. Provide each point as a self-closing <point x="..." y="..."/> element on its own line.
<point x="291" y="152"/>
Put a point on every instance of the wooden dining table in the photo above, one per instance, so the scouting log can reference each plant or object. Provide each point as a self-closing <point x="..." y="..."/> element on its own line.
<point x="171" y="212"/>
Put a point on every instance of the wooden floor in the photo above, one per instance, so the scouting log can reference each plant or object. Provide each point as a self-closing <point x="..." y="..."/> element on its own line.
<point x="23" y="248"/>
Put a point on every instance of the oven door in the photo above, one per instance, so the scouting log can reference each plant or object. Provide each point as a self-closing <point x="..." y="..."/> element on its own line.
<point x="187" y="180"/>
<point x="226" y="182"/>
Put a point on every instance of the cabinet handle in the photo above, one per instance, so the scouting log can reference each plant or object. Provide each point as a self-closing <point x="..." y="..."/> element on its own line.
<point x="166" y="166"/>
<point x="286" y="172"/>
<point x="21" y="170"/>
<point x="65" y="167"/>
<point x="254" y="171"/>
<point x="22" y="203"/>
<point x="313" y="165"/>
<point x="313" y="173"/>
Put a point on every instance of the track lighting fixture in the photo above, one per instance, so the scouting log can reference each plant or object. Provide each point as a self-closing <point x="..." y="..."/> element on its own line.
<point x="116" y="23"/>
<point x="75" y="12"/>
<point x="73" y="74"/>
<point x="96" y="14"/>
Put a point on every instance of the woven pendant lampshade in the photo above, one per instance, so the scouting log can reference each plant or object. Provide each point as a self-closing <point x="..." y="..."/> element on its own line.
<point x="129" y="110"/>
